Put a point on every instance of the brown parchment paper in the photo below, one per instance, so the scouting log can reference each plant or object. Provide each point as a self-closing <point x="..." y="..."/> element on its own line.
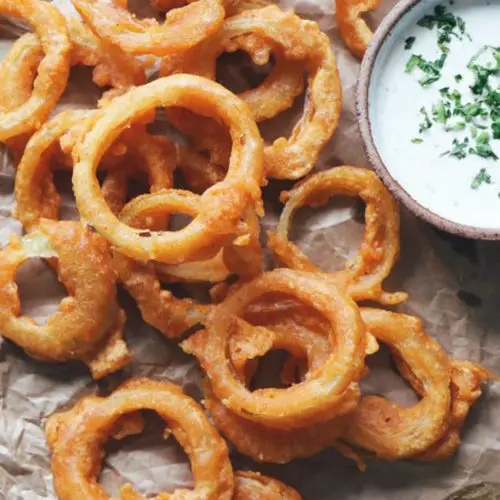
<point x="454" y="286"/>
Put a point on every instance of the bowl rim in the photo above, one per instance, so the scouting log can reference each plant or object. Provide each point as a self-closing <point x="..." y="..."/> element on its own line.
<point x="364" y="124"/>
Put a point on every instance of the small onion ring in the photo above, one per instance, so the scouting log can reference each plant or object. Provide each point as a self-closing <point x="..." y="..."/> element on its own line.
<point x="353" y="27"/>
<point x="254" y="486"/>
<point x="85" y="316"/>
<point x="53" y="70"/>
<point x="312" y="400"/>
<point x="380" y="248"/>
<point x="222" y="204"/>
<point x="183" y="28"/>
<point x="76" y="438"/>
<point x="258" y="33"/>
<point x="386" y="429"/>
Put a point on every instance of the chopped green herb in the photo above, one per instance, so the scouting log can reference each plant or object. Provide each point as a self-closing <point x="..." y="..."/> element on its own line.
<point x="458" y="78"/>
<point x="456" y="127"/>
<point x="417" y="140"/>
<point x="409" y="42"/>
<point x="432" y="69"/>
<point x="482" y="177"/>
<point x="483" y="147"/>
<point x="459" y="149"/>
<point x="426" y="124"/>
<point x="441" y="112"/>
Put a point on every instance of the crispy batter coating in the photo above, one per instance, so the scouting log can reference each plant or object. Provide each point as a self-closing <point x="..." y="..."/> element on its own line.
<point x="363" y="275"/>
<point x="53" y="70"/>
<point x="76" y="438"/>
<point x="184" y="26"/>
<point x="254" y="486"/>
<point x="219" y="219"/>
<point x="88" y="321"/>
<point x="313" y="400"/>
<point x="353" y="28"/>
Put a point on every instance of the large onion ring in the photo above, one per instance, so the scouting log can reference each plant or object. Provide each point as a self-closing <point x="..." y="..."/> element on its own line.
<point x="76" y="438"/>
<point x="379" y="251"/>
<point x="221" y="205"/>
<point x="312" y="400"/>
<point x="53" y="70"/>
<point x="183" y="28"/>
<point x="254" y="486"/>
<point x="35" y="192"/>
<point x="386" y="429"/>
<point x="78" y="330"/>
<point x="353" y="27"/>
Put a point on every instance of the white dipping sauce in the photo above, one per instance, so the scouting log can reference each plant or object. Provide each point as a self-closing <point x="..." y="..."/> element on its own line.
<point x="441" y="184"/>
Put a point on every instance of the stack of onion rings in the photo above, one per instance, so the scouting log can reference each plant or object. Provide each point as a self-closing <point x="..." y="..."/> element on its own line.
<point x="219" y="219"/>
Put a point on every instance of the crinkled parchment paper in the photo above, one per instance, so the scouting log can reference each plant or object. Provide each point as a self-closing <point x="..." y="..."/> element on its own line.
<point x="454" y="286"/>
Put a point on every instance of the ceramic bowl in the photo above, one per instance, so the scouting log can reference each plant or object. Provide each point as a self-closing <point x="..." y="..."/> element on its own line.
<point x="393" y="30"/>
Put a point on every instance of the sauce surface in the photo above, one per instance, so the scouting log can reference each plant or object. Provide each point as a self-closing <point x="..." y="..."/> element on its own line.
<point x="443" y="184"/>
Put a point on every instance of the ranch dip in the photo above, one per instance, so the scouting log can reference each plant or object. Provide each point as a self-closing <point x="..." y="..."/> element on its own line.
<point x="435" y="139"/>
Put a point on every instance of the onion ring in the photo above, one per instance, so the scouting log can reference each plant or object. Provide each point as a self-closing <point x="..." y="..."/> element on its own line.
<point x="222" y="204"/>
<point x="255" y="486"/>
<point x="258" y="32"/>
<point x="313" y="400"/>
<point x="386" y="429"/>
<point x="35" y="192"/>
<point x="51" y="29"/>
<point x="353" y="28"/>
<point x="183" y="28"/>
<point x="379" y="251"/>
<point x="78" y="330"/>
<point x="284" y="33"/>
<point x="76" y="438"/>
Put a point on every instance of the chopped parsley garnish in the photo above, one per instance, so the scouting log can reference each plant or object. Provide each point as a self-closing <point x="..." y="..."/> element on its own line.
<point x="426" y="124"/>
<point x="482" y="177"/>
<point x="409" y="42"/>
<point x="473" y="115"/>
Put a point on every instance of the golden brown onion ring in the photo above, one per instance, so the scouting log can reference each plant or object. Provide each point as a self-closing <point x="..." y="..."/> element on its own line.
<point x="219" y="219"/>
<point x="79" y="329"/>
<point x="268" y="444"/>
<point x="313" y="400"/>
<point x="353" y="27"/>
<point x="183" y="28"/>
<point x="255" y="33"/>
<point x="76" y="438"/>
<point x="35" y="192"/>
<point x="299" y="45"/>
<point x="53" y="70"/>
<point x="254" y="486"/>
<point x="379" y="250"/>
<point x="386" y="429"/>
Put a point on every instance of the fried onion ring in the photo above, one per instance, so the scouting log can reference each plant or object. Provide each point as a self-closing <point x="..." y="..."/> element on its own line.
<point x="353" y="28"/>
<point x="314" y="400"/>
<point x="254" y="486"/>
<point x="221" y="205"/>
<point x="76" y="438"/>
<point x="379" y="251"/>
<point x="53" y="70"/>
<point x="258" y="33"/>
<point x="299" y="45"/>
<point x="35" y="192"/>
<point x="183" y="28"/>
<point x="386" y="429"/>
<point x="78" y="330"/>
